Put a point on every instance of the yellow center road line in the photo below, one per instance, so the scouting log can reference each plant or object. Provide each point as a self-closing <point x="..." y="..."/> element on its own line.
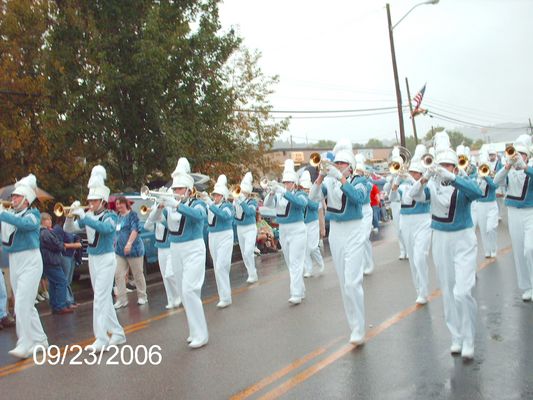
<point x="321" y="364"/>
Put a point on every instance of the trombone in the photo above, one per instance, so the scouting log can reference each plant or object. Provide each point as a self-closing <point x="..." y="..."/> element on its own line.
<point x="63" y="211"/>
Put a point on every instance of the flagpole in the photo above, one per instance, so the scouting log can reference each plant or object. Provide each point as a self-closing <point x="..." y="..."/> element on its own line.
<point x="411" y="109"/>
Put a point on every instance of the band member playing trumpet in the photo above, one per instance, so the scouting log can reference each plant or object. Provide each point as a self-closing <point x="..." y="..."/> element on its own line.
<point x="454" y="244"/>
<point x="162" y="243"/>
<point x="220" y="216"/>
<point x="312" y="226"/>
<point x="415" y="224"/>
<point x="487" y="209"/>
<point x="346" y="234"/>
<point x="245" y="208"/>
<point x="519" y="202"/>
<point x="100" y="225"/>
<point x="360" y="177"/>
<point x="290" y="205"/>
<point x="20" y="238"/>
<point x="185" y="218"/>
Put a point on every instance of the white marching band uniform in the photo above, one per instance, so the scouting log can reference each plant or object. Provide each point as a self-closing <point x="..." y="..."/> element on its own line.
<point x="185" y="221"/>
<point x="245" y="209"/>
<point x="162" y="243"/>
<point x="346" y="237"/>
<point x="220" y="230"/>
<point x="454" y="245"/>
<point x="100" y="225"/>
<point x="395" y="206"/>
<point x="360" y="178"/>
<point x="487" y="212"/>
<point x="312" y="226"/>
<point x="519" y="201"/>
<point x="20" y="238"/>
<point x="415" y="227"/>
<point x="290" y="206"/>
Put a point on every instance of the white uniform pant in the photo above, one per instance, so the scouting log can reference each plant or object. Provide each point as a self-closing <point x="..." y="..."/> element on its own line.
<point x="473" y="214"/>
<point x="395" y="207"/>
<point x="102" y="269"/>
<point x="521" y="231"/>
<point x="347" y="241"/>
<point x="313" y="250"/>
<point x="221" y="249"/>
<point x="170" y="283"/>
<point x="247" y="235"/>
<point x="487" y="219"/>
<point x="26" y="268"/>
<point x="188" y="261"/>
<point x="454" y="255"/>
<point x="368" y="261"/>
<point x="293" y="240"/>
<point x="416" y="233"/>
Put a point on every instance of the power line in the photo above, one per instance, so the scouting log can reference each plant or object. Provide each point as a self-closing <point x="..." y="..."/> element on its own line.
<point x="317" y="111"/>
<point x="341" y="116"/>
<point x="471" y="124"/>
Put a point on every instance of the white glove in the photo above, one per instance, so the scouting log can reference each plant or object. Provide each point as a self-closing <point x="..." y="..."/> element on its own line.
<point x="519" y="163"/>
<point x="430" y="172"/>
<point x="334" y="172"/>
<point x="170" y="202"/>
<point x="396" y="181"/>
<point x="208" y="200"/>
<point x="445" y="174"/>
<point x="280" y="189"/>
<point x="78" y="212"/>
<point x="323" y="169"/>
<point x="241" y="198"/>
<point x="75" y="204"/>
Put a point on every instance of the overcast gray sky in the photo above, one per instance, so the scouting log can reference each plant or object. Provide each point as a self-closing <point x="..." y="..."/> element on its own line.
<point x="475" y="55"/>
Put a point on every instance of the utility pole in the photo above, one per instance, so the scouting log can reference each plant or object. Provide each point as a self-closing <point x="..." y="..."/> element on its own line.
<point x="530" y="127"/>
<point x="396" y="80"/>
<point x="411" y="109"/>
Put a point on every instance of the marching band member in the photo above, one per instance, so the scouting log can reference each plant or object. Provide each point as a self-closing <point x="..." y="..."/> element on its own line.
<point x="395" y="206"/>
<point x="162" y="244"/>
<point x="312" y="226"/>
<point x="100" y="225"/>
<point x="245" y="208"/>
<point x="454" y="242"/>
<point x="347" y="233"/>
<point x="220" y="216"/>
<point x="290" y="205"/>
<point x="495" y="165"/>
<point x="487" y="211"/>
<point x="185" y="220"/>
<point x="20" y="238"/>
<point x="360" y="177"/>
<point x="519" y="202"/>
<point x="415" y="224"/>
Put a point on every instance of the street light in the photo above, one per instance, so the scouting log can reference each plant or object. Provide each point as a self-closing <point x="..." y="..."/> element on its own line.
<point x="395" y="68"/>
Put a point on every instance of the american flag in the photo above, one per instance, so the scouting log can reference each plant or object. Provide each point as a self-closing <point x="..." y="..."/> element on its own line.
<point x="418" y="99"/>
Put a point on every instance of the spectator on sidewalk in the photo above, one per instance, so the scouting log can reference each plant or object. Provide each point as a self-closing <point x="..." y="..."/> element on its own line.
<point x="375" y="203"/>
<point x="71" y="244"/>
<point x="51" y="248"/>
<point x="266" y="242"/>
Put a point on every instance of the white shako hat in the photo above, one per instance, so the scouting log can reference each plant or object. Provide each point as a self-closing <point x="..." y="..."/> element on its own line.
<point x="246" y="183"/>
<point x="491" y="149"/>
<point x="305" y="180"/>
<point x="181" y="177"/>
<point x="343" y="151"/>
<point x="97" y="188"/>
<point x="27" y="187"/>
<point x="522" y="144"/>
<point x="360" y="162"/>
<point x="221" y="187"/>
<point x="443" y="151"/>
<point x="416" y="161"/>
<point x="289" y="174"/>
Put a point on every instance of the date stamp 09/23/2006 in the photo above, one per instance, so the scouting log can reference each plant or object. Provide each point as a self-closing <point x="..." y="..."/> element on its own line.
<point x="115" y="355"/>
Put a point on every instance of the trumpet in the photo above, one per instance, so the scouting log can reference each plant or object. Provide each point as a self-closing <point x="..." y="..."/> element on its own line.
<point x="269" y="185"/>
<point x="236" y="191"/>
<point x="63" y="211"/>
<point x="484" y="170"/>
<point x="510" y="151"/>
<point x="399" y="162"/>
<point x="463" y="162"/>
<point x="428" y="160"/>
<point x="6" y="204"/>
<point x="316" y="160"/>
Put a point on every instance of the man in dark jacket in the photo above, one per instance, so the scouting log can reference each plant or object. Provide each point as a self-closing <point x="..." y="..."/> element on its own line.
<point x="51" y="248"/>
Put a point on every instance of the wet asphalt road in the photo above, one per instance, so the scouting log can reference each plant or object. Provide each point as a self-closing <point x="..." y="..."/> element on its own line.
<point x="261" y="347"/>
